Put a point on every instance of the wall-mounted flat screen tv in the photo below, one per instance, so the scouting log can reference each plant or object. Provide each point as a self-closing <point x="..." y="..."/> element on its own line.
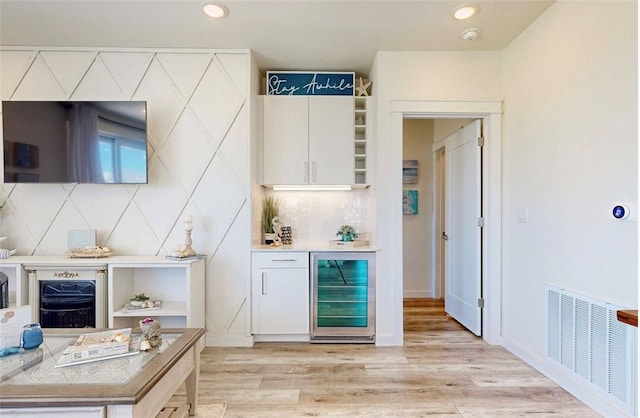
<point x="75" y="142"/>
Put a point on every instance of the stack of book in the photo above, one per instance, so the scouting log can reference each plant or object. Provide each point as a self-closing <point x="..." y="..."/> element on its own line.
<point x="100" y="345"/>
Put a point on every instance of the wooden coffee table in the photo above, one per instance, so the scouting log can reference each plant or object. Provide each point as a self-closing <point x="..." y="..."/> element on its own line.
<point x="132" y="386"/>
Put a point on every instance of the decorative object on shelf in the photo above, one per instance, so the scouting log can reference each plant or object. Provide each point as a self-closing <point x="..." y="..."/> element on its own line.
<point x="5" y="253"/>
<point x="409" y="202"/>
<point x="188" y="227"/>
<point x="361" y="90"/>
<point x="151" y="332"/>
<point x="32" y="336"/>
<point x="347" y="233"/>
<point x="285" y="235"/>
<point x="409" y="171"/>
<point x="277" y="230"/>
<point x="150" y="305"/>
<point x="141" y="300"/>
<point x="81" y="238"/>
<point x="270" y="210"/>
<point x="90" y="252"/>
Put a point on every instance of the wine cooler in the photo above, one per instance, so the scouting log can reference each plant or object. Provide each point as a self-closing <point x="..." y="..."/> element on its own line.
<point x="343" y="297"/>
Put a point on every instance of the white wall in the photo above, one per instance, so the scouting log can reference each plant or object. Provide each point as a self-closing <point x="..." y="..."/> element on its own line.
<point x="404" y="76"/>
<point x="417" y="229"/>
<point x="199" y="120"/>
<point x="570" y="153"/>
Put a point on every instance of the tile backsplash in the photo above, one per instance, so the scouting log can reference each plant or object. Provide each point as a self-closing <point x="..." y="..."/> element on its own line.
<point x="316" y="216"/>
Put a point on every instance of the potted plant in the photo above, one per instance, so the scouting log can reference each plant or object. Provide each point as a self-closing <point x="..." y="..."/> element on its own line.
<point x="270" y="209"/>
<point x="347" y="233"/>
<point x="140" y="299"/>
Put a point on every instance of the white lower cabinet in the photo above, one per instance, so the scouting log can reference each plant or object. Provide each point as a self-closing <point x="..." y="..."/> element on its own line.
<point x="280" y="293"/>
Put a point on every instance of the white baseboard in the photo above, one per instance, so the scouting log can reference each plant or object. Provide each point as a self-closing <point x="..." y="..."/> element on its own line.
<point x="282" y="338"/>
<point x="571" y="384"/>
<point x="415" y="294"/>
<point x="228" y="340"/>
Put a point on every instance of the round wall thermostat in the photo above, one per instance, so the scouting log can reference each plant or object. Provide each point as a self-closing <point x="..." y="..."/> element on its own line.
<point x="620" y="212"/>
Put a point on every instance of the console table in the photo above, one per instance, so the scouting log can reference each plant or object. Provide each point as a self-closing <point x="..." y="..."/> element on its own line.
<point x="133" y="386"/>
<point x="179" y="284"/>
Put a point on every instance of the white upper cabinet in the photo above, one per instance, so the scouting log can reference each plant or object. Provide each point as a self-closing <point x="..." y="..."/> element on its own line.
<point x="308" y="140"/>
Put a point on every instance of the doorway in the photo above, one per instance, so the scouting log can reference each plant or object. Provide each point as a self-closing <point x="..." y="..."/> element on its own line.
<point x="490" y="112"/>
<point x="427" y="145"/>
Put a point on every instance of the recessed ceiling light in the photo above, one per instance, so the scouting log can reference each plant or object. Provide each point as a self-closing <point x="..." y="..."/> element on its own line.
<point x="464" y="11"/>
<point x="214" y="10"/>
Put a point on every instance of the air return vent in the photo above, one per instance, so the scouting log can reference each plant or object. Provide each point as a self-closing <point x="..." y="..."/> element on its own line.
<point x="585" y="336"/>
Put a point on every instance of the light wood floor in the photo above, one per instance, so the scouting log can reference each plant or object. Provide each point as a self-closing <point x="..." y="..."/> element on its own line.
<point x="442" y="370"/>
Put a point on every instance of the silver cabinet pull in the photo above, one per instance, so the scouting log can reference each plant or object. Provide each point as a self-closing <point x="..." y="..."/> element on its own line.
<point x="287" y="260"/>
<point x="264" y="283"/>
<point x="306" y="172"/>
<point x="313" y="173"/>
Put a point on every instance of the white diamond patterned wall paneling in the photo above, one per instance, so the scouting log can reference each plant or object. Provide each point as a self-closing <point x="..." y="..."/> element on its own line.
<point x="37" y="208"/>
<point x="188" y="150"/>
<point x="235" y="151"/>
<point x="68" y="67"/>
<point x="162" y="200"/>
<point x="39" y="83"/>
<point x="186" y="70"/>
<point x="13" y="66"/>
<point x="164" y="102"/>
<point x="104" y="213"/>
<point x="127" y="69"/>
<point x="216" y="101"/>
<point x="237" y="69"/>
<point x="133" y="234"/>
<point x="221" y="316"/>
<point x="199" y="133"/>
<point x="98" y="82"/>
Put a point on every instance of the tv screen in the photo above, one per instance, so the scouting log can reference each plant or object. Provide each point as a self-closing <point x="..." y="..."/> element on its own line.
<point x="75" y="142"/>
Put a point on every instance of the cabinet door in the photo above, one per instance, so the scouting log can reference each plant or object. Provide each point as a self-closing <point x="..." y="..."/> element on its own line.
<point x="331" y="140"/>
<point x="285" y="142"/>
<point x="281" y="300"/>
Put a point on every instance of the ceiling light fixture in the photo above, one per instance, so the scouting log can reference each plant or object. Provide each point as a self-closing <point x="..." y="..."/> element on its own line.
<point x="464" y="11"/>
<point x="214" y="10"/>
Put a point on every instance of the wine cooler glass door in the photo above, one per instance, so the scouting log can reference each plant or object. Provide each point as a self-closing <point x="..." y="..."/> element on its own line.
<point x="343" y="297"/>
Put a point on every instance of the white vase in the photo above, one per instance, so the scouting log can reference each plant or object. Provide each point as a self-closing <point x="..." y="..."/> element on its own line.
<point x="269" y="237"/>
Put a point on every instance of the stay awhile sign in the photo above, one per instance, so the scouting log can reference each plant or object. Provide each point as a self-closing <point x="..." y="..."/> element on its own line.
<point x="290" y="83"/>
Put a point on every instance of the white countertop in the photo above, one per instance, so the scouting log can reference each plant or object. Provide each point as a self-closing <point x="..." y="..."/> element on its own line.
<point x="315" y="247"/>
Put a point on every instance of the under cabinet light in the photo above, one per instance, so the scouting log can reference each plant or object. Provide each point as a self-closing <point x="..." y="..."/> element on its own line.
<point x="281" y="187"/>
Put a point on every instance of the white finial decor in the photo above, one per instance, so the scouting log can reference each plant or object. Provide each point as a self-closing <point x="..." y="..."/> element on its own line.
<point x="188" y="227"/>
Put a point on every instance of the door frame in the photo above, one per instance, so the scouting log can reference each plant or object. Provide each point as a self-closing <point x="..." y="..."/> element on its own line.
<point x="490" y="111"/>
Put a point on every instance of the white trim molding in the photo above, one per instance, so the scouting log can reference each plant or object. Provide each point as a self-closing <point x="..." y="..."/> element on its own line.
<point x="490" y="111"/>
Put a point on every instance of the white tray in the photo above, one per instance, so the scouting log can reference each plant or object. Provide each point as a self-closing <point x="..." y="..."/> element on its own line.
<point x="349" y="244"/>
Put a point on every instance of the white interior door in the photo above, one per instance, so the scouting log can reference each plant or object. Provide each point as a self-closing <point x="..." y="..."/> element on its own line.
<point x="463" y="281"/>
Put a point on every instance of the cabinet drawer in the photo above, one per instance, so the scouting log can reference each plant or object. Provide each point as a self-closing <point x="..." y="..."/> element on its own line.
<point x="275" y="259"/>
